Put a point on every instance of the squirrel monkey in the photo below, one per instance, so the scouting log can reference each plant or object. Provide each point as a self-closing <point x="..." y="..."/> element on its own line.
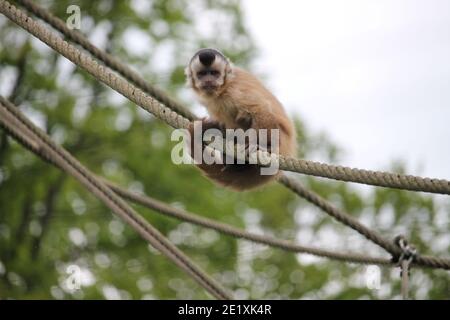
<point x="235" y="99"/>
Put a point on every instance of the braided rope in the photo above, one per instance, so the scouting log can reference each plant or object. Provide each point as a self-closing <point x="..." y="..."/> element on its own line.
<point x="165" y="209"/>
<point x="180" y="214"/>
<point x="420" y="261"/>
<point x="28" y="141"/>
<point x="369" y="177"/>
<point x="176" y="120"/>
<point x="97" y="70"/>
<point x="348" y="220"/>
<point x="104" y="74"/>
<point x="14" y="122"/>
<point x="106" y="58"/>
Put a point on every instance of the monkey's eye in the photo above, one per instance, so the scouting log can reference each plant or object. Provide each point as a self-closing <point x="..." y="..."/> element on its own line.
<point x="214" y="72"/>
<point x="202" y="73"/>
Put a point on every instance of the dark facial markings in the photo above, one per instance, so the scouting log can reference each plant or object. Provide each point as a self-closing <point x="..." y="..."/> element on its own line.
<point x="205" y="72"/>
<point x="207" y="57"/>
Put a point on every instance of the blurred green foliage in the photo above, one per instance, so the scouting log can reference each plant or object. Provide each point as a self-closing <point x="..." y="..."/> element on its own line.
<point x="48" y="222"/>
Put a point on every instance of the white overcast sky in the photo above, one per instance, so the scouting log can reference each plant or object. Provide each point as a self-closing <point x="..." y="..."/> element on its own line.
<point x="375" y="75"/>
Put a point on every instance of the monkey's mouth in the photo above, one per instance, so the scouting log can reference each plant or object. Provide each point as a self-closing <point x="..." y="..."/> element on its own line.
<point x="209" y="87"/>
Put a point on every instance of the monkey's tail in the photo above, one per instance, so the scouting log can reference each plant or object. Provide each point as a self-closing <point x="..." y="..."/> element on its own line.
<point x="236" y="176"/>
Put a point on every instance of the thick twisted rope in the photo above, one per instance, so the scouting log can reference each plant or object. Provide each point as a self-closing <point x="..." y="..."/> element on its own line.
<point x="180" y="214"/>
<point x="369" y="177"/>
<point x="408" y="255"/>
<point x="298" y="165"/>
<point x="106" y="76"/>
<point x="98" y="71"/>
<point x="348" y="220"/>
<point x="419" y="261"/>
<point x="28" y="141"/>
<point x="384" y="179"/>
<point x="106" y="58"/>
<point x="176" y="120"/>
<point x="220" y="227"/>
<point x="15" y="123"/>
<point x="161" y="207"/>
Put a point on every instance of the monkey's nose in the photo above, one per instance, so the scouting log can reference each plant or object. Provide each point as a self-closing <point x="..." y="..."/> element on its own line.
<point x="206" y="57"/>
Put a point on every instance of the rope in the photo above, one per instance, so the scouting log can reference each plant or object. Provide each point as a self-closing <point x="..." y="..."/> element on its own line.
<point x="227" y="229"/>
<point x="105" y="75"/>
<point x="408" y="255"/>
<point x="348" y="220"/>
<point x="120" y="85"/>
<point x="19" y="126"/>
<point x="369" y="177"/>
<point x="180" y="214"/>
<point x="404" y="265"/>
<point x="106" y="58"/>
<point x="180" y="119"/>
<point x="97" y="70"/>
<point x="161" y="207"/>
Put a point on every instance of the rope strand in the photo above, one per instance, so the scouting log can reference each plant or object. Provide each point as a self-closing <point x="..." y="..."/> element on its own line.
<point x="167" y="210"/>
<point x="342" y="217"/>
<point x="106" y="58"/>
<point x="14" y="122"/>
<point x="349" y="221"/>
<point x="163" y="208"/>
<point x="162" y="106"/>
<point x="105" y="75"/>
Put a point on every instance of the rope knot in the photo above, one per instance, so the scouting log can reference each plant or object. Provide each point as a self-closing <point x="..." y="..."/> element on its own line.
<point x="407" y="255"/>
<point x="408" y="251"/>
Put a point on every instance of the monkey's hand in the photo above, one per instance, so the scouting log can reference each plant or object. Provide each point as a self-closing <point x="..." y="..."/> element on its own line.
<point x="202" y="126"/>
<point x="244" y="120"/>
<point x="206" y="123"/>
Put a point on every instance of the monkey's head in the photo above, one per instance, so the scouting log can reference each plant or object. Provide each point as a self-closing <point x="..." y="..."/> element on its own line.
<point x="207" y="71"/>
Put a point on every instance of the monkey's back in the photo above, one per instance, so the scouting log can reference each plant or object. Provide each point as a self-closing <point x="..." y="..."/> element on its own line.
<point x="265" y="107"/>
<point x="244" y="92"/>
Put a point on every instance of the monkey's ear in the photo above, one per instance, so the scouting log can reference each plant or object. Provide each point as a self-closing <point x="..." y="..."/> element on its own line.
<point x="229" y="68"/>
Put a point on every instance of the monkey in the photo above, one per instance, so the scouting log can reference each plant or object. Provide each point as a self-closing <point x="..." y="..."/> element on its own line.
<point x="236" y="99"/>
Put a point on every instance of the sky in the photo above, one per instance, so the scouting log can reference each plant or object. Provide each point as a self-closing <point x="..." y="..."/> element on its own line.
<point x="374" y="75"/>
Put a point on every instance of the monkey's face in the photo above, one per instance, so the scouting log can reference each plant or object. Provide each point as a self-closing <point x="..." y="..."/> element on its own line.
<point x="207" y="71"/>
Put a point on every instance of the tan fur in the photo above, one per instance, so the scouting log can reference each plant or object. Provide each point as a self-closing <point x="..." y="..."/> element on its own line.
<point x="239" y="99"/>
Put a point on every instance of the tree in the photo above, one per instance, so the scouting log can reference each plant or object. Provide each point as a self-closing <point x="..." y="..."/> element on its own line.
<point x="49" y="222"/>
